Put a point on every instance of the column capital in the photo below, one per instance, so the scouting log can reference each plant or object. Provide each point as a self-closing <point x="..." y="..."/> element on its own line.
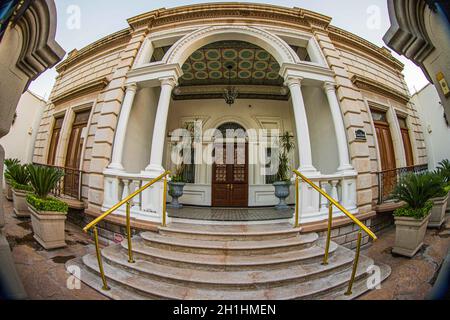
<point x="131" y="87"/>
<point x="329" y="86"/>
<point x="291" y="81"/>
<point x="168" y="81"/>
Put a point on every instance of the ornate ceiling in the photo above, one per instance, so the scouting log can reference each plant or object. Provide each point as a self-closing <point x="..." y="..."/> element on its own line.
<point x="251" y="65"/>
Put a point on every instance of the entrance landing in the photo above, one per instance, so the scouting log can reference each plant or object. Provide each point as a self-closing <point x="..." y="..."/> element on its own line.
<point x="230" y="214"/>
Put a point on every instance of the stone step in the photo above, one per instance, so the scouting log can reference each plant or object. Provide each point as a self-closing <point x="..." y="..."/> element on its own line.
<point x="230" y="232"/>
<point x="222" y="262"/>
<point x="327" y="286"/>
<point x="247" y="279"/>
<point x="230" y="247"/>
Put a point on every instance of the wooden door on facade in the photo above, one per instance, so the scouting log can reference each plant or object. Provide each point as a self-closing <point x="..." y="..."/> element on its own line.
<point x="74" y="151"/>
<point x="230" y="178"/>
<point x="386" y="151"/>
<point x="406" y="142"/>
<point x="54" y="140"/>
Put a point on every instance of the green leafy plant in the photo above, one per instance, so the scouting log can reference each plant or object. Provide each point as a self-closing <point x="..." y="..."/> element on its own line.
<point x="286" y="146"/>
<point x="21" y="187"/>
<point x="443" y="169"/>
<point x="418" y="213"/>
<point x="416" y="190"/>
<point x="49" y="204"/>
<point x="17" y="174"/>
<point x="8" y="164"/>
<point x="179" y="174"/>
<point x="44" y="179"/>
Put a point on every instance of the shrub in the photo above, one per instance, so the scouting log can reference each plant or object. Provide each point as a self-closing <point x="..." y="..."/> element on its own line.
<point x="49" y="204"/>
<point x="21" y="187"/>
<point x="417" y="213"/>
<point x="44" y="179"/>
<point x="18" y="174"/>
<point x="286" y="146"/>
<point x="444" y="170"/>
<point x="8" y="164"/>
<point x="417" y="189"/>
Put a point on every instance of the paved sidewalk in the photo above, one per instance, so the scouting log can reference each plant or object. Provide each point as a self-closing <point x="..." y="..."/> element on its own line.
<point x="42" y="272"/>
<point x="44" y="276"/>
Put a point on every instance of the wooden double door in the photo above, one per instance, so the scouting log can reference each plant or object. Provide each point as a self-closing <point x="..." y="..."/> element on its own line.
<point x="387" y="157"/>
<point x="230" y="175"/>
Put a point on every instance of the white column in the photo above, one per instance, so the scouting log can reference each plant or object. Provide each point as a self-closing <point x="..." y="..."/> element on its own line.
<point x="344" y="160"/>
<point x="159" y="132"/>
<point x="119" y="140"/>
<point x="146" y="53"/>
<point x="301" y="124"/>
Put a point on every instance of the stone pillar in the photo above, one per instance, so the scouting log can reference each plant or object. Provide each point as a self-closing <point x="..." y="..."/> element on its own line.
<point x="159" y="132"/>
<point x="301" y="124"/>
<point x="146" y="53"/>
<point x="119" y="141"/>
<point x="344" y="160"/>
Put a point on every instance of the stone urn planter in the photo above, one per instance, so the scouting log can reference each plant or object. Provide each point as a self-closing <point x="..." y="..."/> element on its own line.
<point x="437" y="216"/>
<point x="176" y="191"/>
<point x="282" y="192"/>
<point x="409" y="235"/>
<point x="8" y="192"/>
<point x="20" y="203"/>
<point x="48" y="228"/>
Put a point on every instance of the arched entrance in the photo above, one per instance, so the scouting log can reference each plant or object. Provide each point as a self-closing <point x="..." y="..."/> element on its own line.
<point x="230" y="167"/>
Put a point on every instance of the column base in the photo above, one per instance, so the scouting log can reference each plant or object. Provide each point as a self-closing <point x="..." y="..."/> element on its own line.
<point x="346" y="169"/>
<point x="115" y="167"/>
<point x="309" y="171"/>
<point x="153" y="171"/>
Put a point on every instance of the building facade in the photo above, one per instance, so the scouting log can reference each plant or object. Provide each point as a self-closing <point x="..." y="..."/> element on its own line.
<point x="117" y="105"/>
<point x="436" y="124"/>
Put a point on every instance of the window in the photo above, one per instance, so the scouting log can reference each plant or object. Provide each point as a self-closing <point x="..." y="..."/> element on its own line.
<point x="302" y="53"/>
<point x="406" y="141"/>
<point x="189" y="169"/>
<point x="55" y="140"/>
<point x="378" y="115"/>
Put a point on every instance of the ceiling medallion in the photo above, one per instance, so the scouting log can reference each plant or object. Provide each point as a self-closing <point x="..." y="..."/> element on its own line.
<point x="231" y="93"/>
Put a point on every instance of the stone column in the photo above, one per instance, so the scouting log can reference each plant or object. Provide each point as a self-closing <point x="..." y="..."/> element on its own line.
<point x="301" y="124"/>
<point x="119" y="141"/>
<point x="159" y="131"/>
<point x="344" y="160"/>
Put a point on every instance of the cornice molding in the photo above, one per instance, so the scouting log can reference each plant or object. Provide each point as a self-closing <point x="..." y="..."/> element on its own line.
<point x="75" y="56"/>
<point x="86" y="88"/>
<point x="374" y="86"/>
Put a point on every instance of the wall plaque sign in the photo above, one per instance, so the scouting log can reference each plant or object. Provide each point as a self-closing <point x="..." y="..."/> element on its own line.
<point x="360" y="135"/>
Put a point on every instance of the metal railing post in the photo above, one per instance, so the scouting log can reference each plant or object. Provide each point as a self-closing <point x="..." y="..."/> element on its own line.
<point x="297" y="202"/>
<point x="330" y="223"/>
<point x="355" y="265"/>
<point x="99" y="260"/>
<point x="130" y="250"/>
<point x="164" y="202"/>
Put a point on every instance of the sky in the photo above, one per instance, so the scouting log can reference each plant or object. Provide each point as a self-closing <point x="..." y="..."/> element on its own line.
<point x="85" y="21"/>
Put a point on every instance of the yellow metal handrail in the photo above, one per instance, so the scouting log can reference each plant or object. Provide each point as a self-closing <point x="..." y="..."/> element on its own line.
<point x="333" y="202"/>
<point x="127" y="202"/>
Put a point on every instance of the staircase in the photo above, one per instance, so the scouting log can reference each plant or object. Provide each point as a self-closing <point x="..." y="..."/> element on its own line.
<point x="227" y="262"/>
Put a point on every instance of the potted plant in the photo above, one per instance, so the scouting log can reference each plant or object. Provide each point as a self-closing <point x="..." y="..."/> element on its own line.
<point x="411" y="221"/>
<point x="48" y="214"/>
<point x="19" y="181"/>
<point x="176" y="187"/>
<point x="444" y="170"/>
<point x="283" y="177"/>
<point x="9" y="163"/>
<point x="439" y="200"/>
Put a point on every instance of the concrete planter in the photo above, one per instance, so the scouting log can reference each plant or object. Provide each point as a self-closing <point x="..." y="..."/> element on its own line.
<point x="48" y="228"/>
<point x="20" y="204"/>
<point x="409" y="235"/>
<point x="176" y="191"/>
<point x="437" y="216"/>
<point x="282" y="192"/>
<point x="8" y="192"/>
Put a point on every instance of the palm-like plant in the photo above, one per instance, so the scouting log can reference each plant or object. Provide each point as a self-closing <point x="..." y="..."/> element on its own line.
<point x="44" y="179"/>
<point x="286" y="146"/>
<point x="8" y="164"/>
<point x="417" y="189"/>
<point x="444" y="169"/>
<point x="18" y="174"/>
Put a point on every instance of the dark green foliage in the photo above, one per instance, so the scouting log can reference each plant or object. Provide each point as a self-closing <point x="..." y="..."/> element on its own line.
<point x="417" y="189"/>
<point x="18" y="174"/>
<point x="9" y="162"/>
<point x="418" y="213"/>
<point x="49" y="204"/>
<point x="44" y="179"/>
<point x="286" y="146"/>
<point x="444" y="170"/>
<point x="21" y="187"/>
